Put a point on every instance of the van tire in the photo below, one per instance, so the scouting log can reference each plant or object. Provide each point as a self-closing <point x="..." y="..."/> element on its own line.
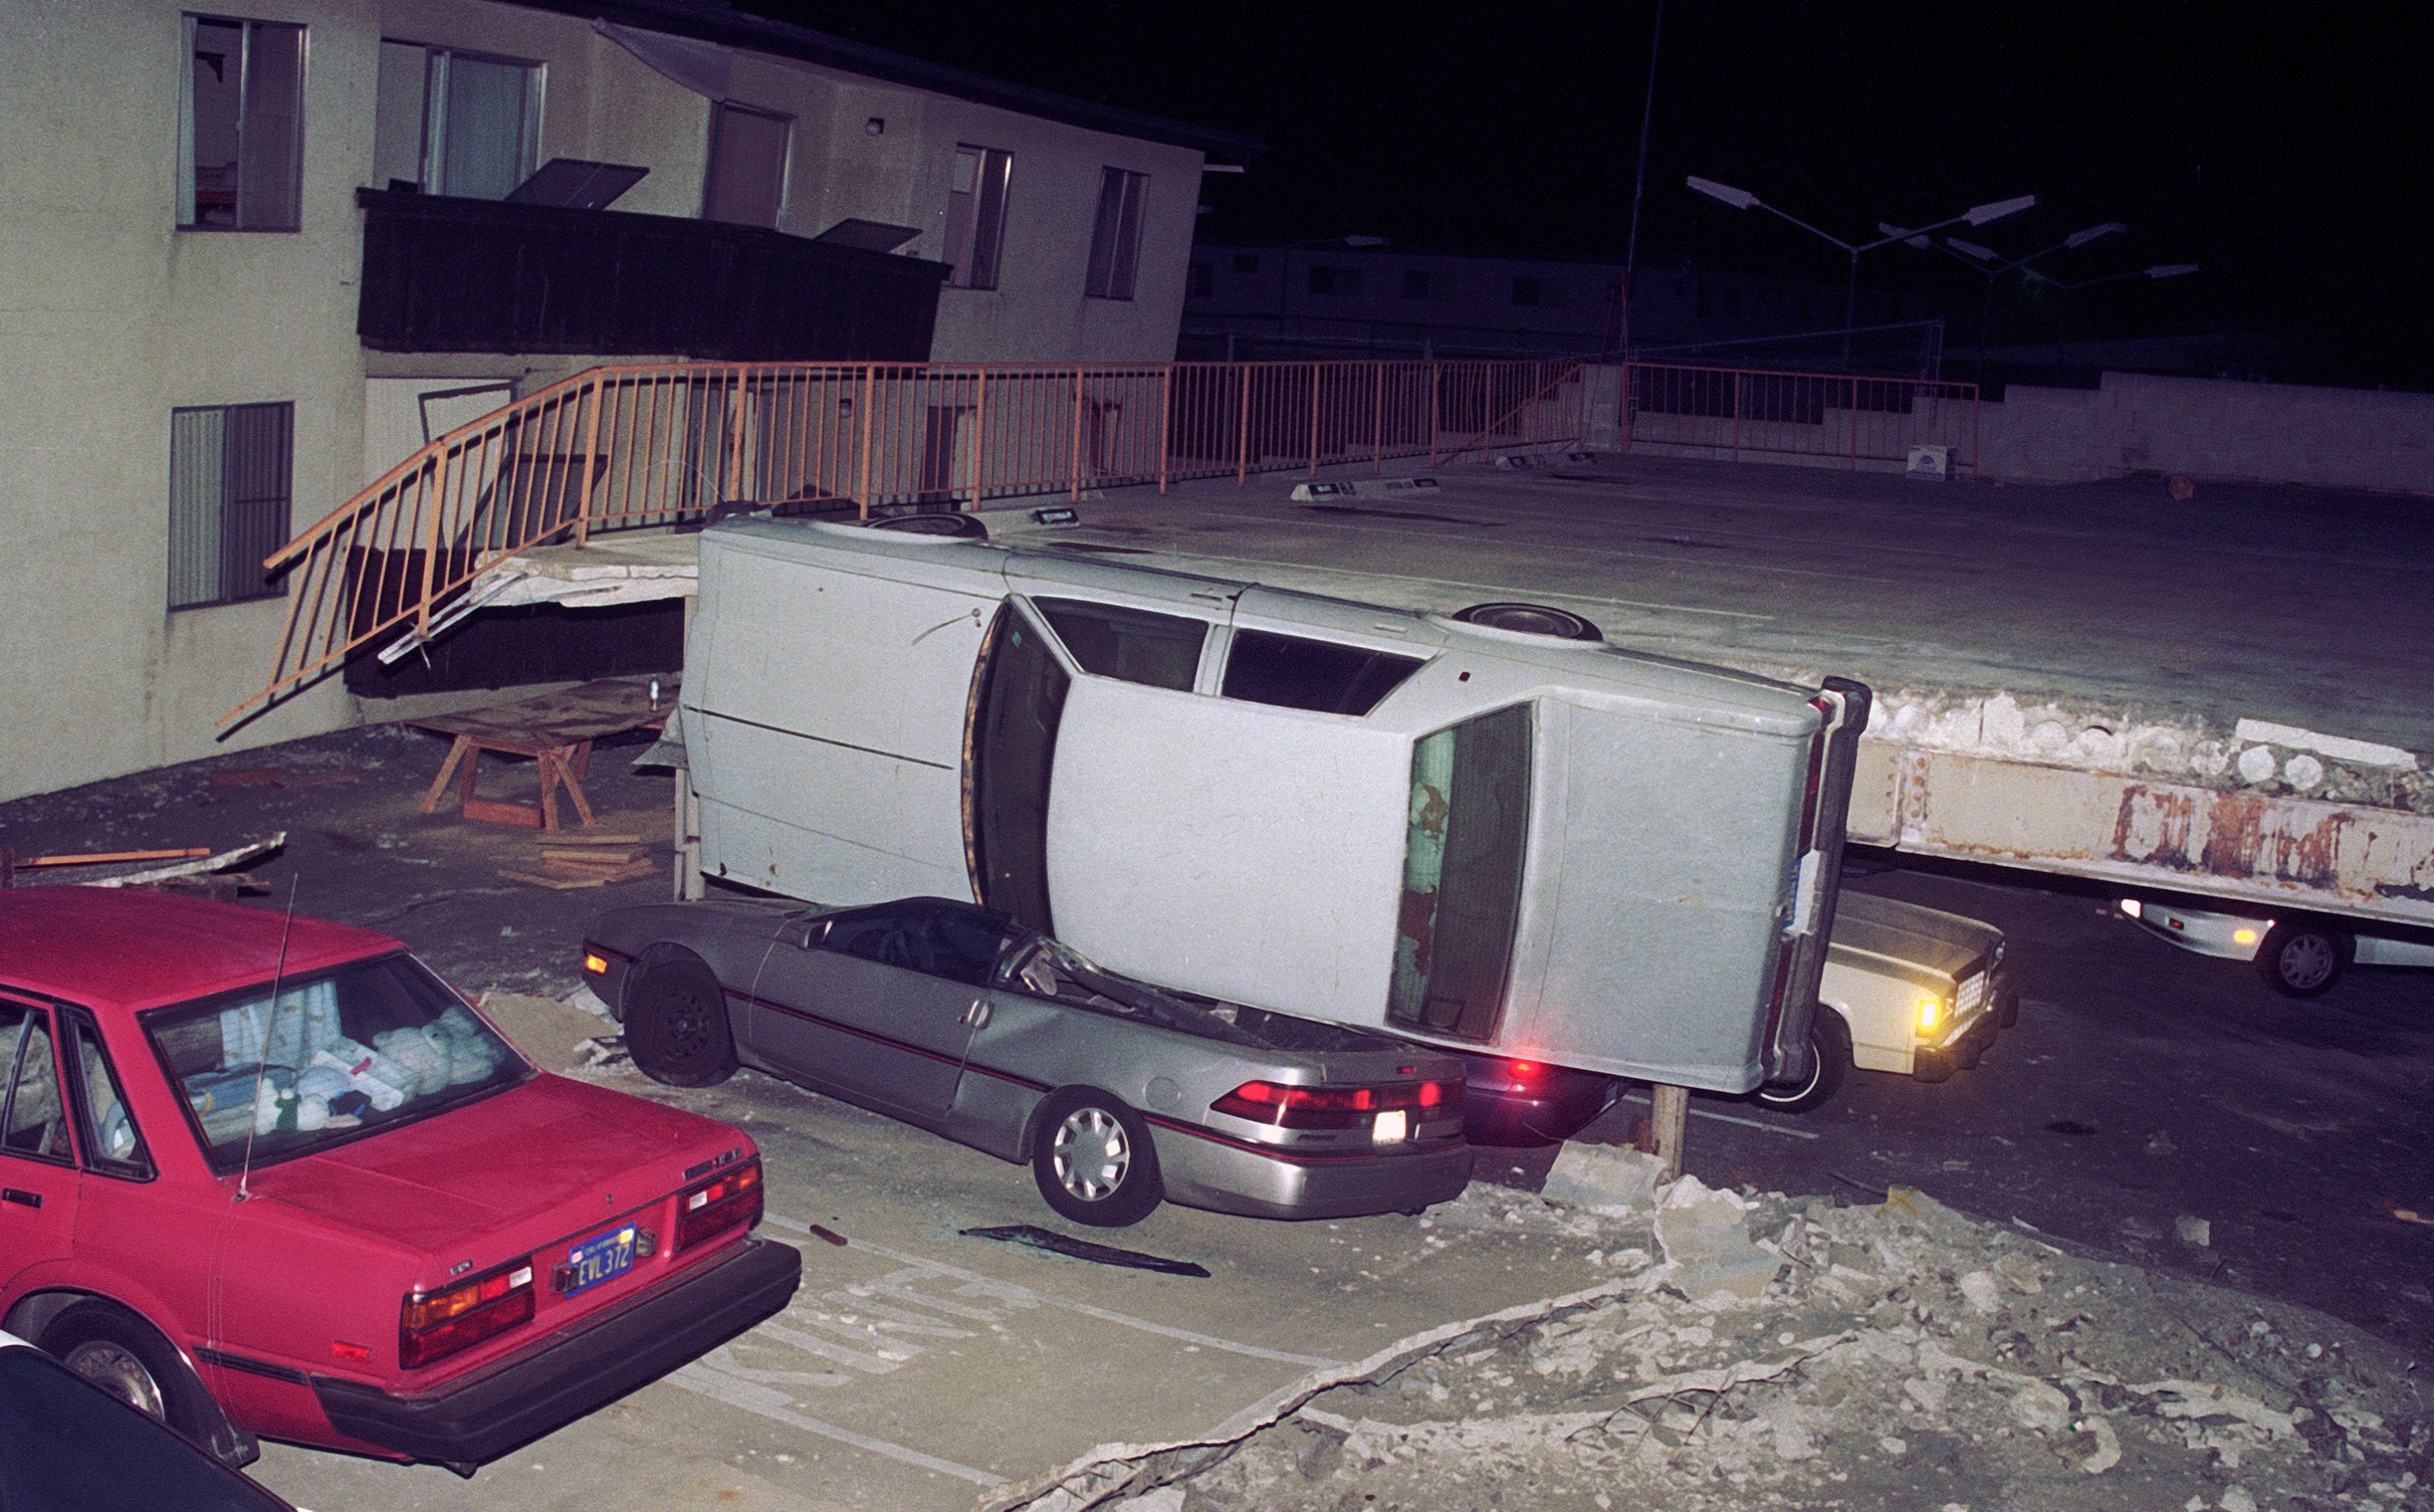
<point x="1530" y="619"/>
<point x="1830" y="1054"/>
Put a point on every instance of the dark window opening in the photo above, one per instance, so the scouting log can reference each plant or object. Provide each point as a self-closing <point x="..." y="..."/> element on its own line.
<point x="229" y="471"/>
<point x="1707" y="300"/>
<point x="746" y="182"/>
<point x="1464" y="851"/>
<point x="241" y="130"/>
<point x="1322" y="676"/>
<point x="1422" y="284"/>
<point x="1014" y="752"/>
<point x="976" y="216"/>
<point x="1732" y="301"/>
<point x="1531" y="289"/>
<point x="1157" y="650"/>
<point x="1204" y="278"/>
<point x="1338" y="282"/>
<point x="1115" y="238"/>
<point x="1247" y="262"/>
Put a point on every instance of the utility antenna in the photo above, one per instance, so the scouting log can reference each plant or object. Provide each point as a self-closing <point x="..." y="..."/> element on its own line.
<point x="270" y="1022"/>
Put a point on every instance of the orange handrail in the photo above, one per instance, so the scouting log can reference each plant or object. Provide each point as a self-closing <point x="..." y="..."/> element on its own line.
<point x="637" y="445"/>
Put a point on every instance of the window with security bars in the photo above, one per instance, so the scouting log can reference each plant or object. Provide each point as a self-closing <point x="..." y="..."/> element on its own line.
<point x="976" y="216"/>
<point x="1115" y="242"/>
<point x="240" y="125"/>
<point x="230" y="470"/>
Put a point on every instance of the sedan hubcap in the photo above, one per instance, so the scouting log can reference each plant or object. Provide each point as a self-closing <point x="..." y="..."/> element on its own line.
<point x="2306" y="961"/>
<point x="1092" y="1153"/>
<point x="117" y="1370"/>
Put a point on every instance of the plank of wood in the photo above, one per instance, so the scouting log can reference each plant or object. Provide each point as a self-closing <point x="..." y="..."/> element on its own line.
<point x="588" y="858"/>
<point x="318" y="780"/>
<point x="625" y="873"/>
<point x="574" y="838"/>
<point x="108" y="857"/>
<point x="247" y="777"/>
<point x="561" y="883"/>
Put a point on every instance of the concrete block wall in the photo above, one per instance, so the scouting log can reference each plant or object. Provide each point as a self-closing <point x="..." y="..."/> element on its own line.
<point x="2210" y="428"/>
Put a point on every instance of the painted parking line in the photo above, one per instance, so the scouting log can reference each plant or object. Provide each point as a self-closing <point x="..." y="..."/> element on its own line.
<point x="767" y="1402"/>
<point x="1025" y="1296"/>
<point x="1727" y="1118"/>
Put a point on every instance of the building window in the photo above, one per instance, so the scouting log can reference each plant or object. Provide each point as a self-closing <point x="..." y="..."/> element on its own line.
<point x="229" y="470"/>
<point x="1707" y="300"/>
<point x="476" y="134"/>
<point x="1531" y="289"/>
<point x="1339" y="283"/>
<point x="1424" y="284"/>
<point x="746" y="182"/>
<point x="976" y="216"/>
<point x="1115" y="240"/>
<point x="1204" y="278"/>
<point x="1733" y="301"/>
<point x="240" y="125"/>
<point x="1247" y="262"/>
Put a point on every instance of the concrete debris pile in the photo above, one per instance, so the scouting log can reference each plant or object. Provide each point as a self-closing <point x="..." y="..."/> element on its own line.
<point x="1761" y="1352"/>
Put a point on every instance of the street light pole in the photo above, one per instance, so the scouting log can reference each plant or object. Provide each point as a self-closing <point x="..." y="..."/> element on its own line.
<point x="1639" y="178"/>
<point x="1974" y="215"/>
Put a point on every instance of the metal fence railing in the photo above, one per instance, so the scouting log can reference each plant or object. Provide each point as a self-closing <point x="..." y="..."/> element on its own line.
<point x="624" y="447"/>
<point x="1733" y="413"/>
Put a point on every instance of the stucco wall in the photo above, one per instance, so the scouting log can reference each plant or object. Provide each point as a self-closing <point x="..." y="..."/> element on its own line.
<point x="2210" y="428"/>
<point x="109" y="318"/>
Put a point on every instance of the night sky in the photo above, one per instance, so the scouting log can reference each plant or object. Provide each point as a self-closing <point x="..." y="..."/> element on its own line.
<point x="2284" y="148"/>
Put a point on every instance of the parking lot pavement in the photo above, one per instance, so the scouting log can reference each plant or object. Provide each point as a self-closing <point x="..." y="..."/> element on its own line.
<point x="917" y="1366"/>
<point x="2143" y="1085"/>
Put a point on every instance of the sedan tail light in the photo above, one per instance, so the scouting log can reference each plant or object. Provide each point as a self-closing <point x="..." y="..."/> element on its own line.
<point x="725" y="1201"/>
<point x="1264" y="1102"/>
<point x="432" y="1325"/>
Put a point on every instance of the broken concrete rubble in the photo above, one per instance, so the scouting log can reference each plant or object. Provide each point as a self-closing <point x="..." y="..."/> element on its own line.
<point x="1896" y="1356"/>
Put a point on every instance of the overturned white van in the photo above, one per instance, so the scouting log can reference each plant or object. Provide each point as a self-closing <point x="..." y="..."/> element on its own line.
<point x="1490" y="838"/>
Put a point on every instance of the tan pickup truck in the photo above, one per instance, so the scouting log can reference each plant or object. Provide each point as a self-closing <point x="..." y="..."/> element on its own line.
<point x="1914" y="990"/>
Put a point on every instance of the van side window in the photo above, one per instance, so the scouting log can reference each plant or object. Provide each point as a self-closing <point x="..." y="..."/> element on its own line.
<point x="1322" y="676"/>
<point x="1160" y="650"/>
<point x="1461" y="875"/>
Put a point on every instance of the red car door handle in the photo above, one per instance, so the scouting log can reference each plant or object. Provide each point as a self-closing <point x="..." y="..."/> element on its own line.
<point x="30" y="1200"/>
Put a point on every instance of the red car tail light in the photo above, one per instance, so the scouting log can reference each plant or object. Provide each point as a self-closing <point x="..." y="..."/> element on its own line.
<point x="725" y="1201"/>
<point x="1284" y="1107"/>
<point x="432" y="1325"/>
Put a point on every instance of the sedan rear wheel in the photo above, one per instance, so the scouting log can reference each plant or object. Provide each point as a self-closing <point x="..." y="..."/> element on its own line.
<point x="125" y="1358"/>
<point x="1093" y="1161"/>
<point x="2302" y="960"/>
<point x="676" y="1026"/>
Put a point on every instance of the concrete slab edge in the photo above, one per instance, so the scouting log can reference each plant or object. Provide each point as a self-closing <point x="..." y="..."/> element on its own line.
<point x="1111" y="1470"/>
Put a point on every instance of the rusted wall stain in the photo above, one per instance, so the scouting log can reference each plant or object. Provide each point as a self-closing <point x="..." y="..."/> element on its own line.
<point x="2156" y="824"/>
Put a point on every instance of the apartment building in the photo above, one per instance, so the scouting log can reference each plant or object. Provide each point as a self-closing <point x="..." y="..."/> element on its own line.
<point x="258" y="255"/>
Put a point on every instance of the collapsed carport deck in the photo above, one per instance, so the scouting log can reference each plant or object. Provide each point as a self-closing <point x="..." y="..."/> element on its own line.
<point x="2220" y="696"/>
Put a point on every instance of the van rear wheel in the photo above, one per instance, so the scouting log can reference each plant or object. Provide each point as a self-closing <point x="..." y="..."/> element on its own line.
<point x="1829" y="1056"/>
<point x="2300" y="959"/>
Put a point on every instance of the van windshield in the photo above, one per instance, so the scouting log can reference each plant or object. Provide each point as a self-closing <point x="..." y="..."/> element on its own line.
<point x="368" y="1046"/>
<point x="1013" y="752"/>
<point x="1464" y="850"/>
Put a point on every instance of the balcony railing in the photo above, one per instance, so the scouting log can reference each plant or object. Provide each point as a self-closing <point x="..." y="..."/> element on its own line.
<point x="628" y="447"/>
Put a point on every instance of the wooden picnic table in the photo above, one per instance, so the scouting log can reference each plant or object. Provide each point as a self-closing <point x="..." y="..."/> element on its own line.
<point x="555" y="731"/>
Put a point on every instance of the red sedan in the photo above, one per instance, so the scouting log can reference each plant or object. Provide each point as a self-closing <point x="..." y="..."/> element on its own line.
<point x="263" y="1177"/>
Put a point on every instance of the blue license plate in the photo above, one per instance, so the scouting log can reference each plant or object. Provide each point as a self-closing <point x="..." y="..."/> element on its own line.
<point x="603" y="1257"/>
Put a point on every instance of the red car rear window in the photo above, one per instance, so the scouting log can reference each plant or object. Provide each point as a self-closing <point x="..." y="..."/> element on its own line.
<point x="342" y="1053"/>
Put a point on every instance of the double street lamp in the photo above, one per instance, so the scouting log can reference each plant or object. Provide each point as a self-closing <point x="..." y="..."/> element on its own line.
<point x="2061" y="324"/>
<point x="1986" y="260"/>
<point x="1976" y="215"/>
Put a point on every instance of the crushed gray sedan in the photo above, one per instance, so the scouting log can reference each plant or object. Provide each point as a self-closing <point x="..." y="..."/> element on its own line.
<point x="1119" y="1094"/>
